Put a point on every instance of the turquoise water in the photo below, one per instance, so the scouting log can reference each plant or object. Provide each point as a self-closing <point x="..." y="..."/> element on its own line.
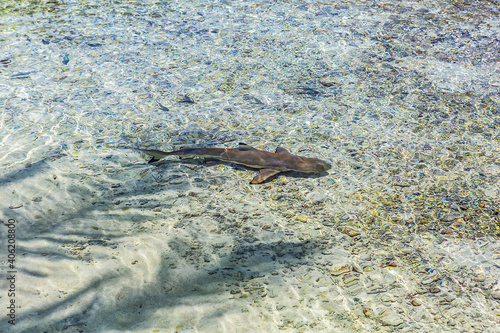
<point x="402" y="98"/>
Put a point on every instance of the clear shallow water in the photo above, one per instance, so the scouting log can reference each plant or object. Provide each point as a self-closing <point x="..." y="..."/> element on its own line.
<point x="402" y="99"/>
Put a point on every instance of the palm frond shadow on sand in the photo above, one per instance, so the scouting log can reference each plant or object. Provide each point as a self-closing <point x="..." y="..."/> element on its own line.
<point x="166" y="290"/>
<point x="117" y="299"/>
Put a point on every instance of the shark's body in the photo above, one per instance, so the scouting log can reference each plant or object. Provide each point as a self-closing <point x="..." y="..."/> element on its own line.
<point x="268" y="163"/>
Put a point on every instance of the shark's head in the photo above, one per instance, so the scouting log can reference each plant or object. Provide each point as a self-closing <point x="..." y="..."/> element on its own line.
<point x="312" y="165"/>
<point x="321" y="166"/>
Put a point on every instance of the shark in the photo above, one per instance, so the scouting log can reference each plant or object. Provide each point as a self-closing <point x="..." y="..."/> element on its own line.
<point x="269" y="163"/>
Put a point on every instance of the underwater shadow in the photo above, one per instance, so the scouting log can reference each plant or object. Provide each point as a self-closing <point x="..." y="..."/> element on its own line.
<point x="28" y="170"/>
<point x="140" y="304"/>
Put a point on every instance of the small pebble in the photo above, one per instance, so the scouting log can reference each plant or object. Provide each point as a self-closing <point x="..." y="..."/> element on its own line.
<point x="339" y="270"/>
<point x="495" y="294"/>
<point x="350" y="231"/>
<point x="416" y="302"/>
<point x="301" y="218"/>
<point x="434" y="290"/>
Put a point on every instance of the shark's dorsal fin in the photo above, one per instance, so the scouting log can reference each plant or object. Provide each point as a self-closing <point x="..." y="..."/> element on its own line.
<point x="244" y="146"/>
<point x="281" y="150"/>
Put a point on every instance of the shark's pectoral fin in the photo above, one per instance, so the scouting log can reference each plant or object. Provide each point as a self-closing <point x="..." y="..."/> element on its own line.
<point x="211" y="161"/>
<point x="263" y="175"/>
<point x="156" y="154"/>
